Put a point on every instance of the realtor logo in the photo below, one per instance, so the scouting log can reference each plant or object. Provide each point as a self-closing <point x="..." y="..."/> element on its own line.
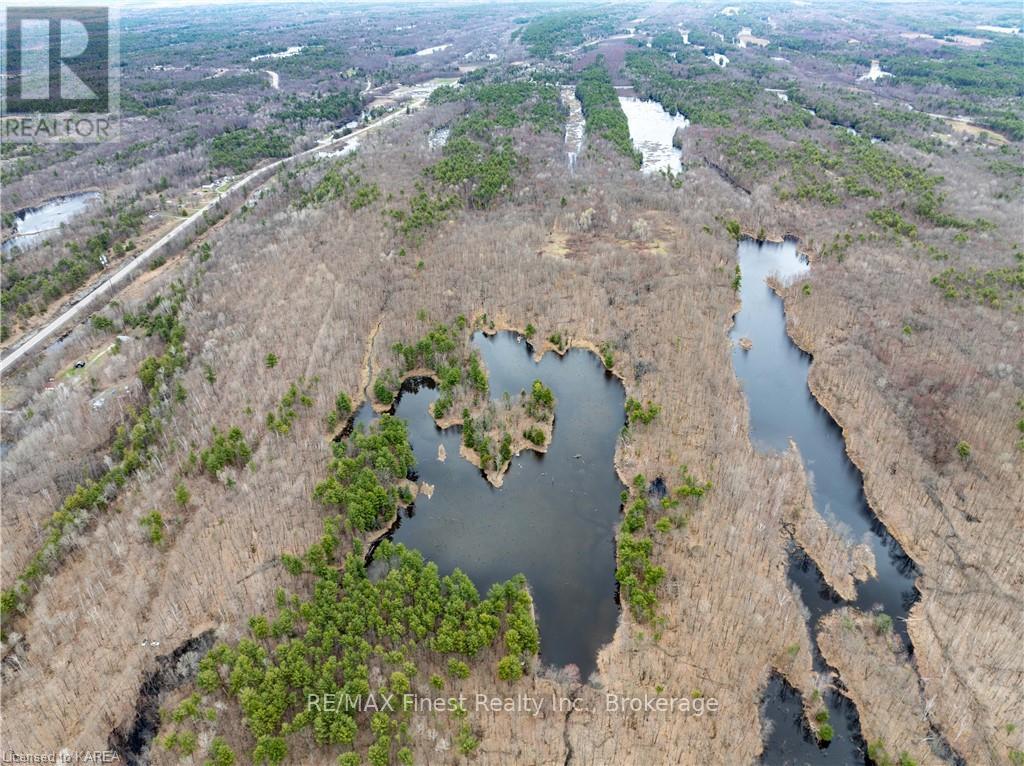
<point x="59" y="73"/>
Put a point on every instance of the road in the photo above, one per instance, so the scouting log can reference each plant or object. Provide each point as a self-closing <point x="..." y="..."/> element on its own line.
<point x="181" y="231"/>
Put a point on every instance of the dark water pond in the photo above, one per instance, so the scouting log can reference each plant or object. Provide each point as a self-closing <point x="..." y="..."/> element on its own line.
<point x="33" y="225"/>
<point x="554" y="517"/>
<point x="791" y="742"/>
<point x="774" y="378"/>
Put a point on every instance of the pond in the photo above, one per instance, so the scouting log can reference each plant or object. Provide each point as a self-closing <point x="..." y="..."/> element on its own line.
<point x="291" y="50"/>
<point x="875" y="73"/>
<point x="34" y="224"/>
<point x="773" y="373"/>
<point x="652" y="130"/>
<point x="554" y="517"/>
<point x="433" y="49"/>
<point x="438" y="138"/>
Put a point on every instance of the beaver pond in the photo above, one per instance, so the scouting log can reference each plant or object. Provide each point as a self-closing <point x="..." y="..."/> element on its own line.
<point x="34" y="224"/>
<point x="554" y="517"/>
<point x="773" y="372"/>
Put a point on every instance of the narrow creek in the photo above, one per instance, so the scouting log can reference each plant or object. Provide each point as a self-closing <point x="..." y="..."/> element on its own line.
<point x="134" y="743"/>
<point x="34" y="224"/>
<point x="575" y="125"/>
<point x="773" y="373"/>
<point x="554" y="517"/>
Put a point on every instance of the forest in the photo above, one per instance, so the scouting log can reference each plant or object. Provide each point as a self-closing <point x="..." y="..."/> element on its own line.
<point x="203" y="469"/>
<point x="602" y="111"/>
<point x="352" y="630"/>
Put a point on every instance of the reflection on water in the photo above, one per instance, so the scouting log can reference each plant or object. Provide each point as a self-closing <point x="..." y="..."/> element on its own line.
<point x="788" y="740"/>
<point x="344" y="151"/>
<point x="554" y="517"/>
<point x="773" y="373"/>
<point x="575" y="124"/>
<point x="437" y="139"/>
<point x="875" y="73"/>
<point x="774" y="377"/>
<point x="652" y="130"/>
<point x="434" y="49"/>
<point x="291" y="50"/>
<point x="35" y="224"/>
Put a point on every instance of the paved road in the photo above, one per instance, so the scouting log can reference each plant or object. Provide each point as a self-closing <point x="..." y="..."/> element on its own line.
<point x="181" y="231"/>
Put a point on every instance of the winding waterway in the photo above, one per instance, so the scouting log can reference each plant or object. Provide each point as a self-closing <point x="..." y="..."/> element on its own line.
<point x="554" y="517"/>
<point x="575" y="125"/>
<point x="773" y="373"/>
